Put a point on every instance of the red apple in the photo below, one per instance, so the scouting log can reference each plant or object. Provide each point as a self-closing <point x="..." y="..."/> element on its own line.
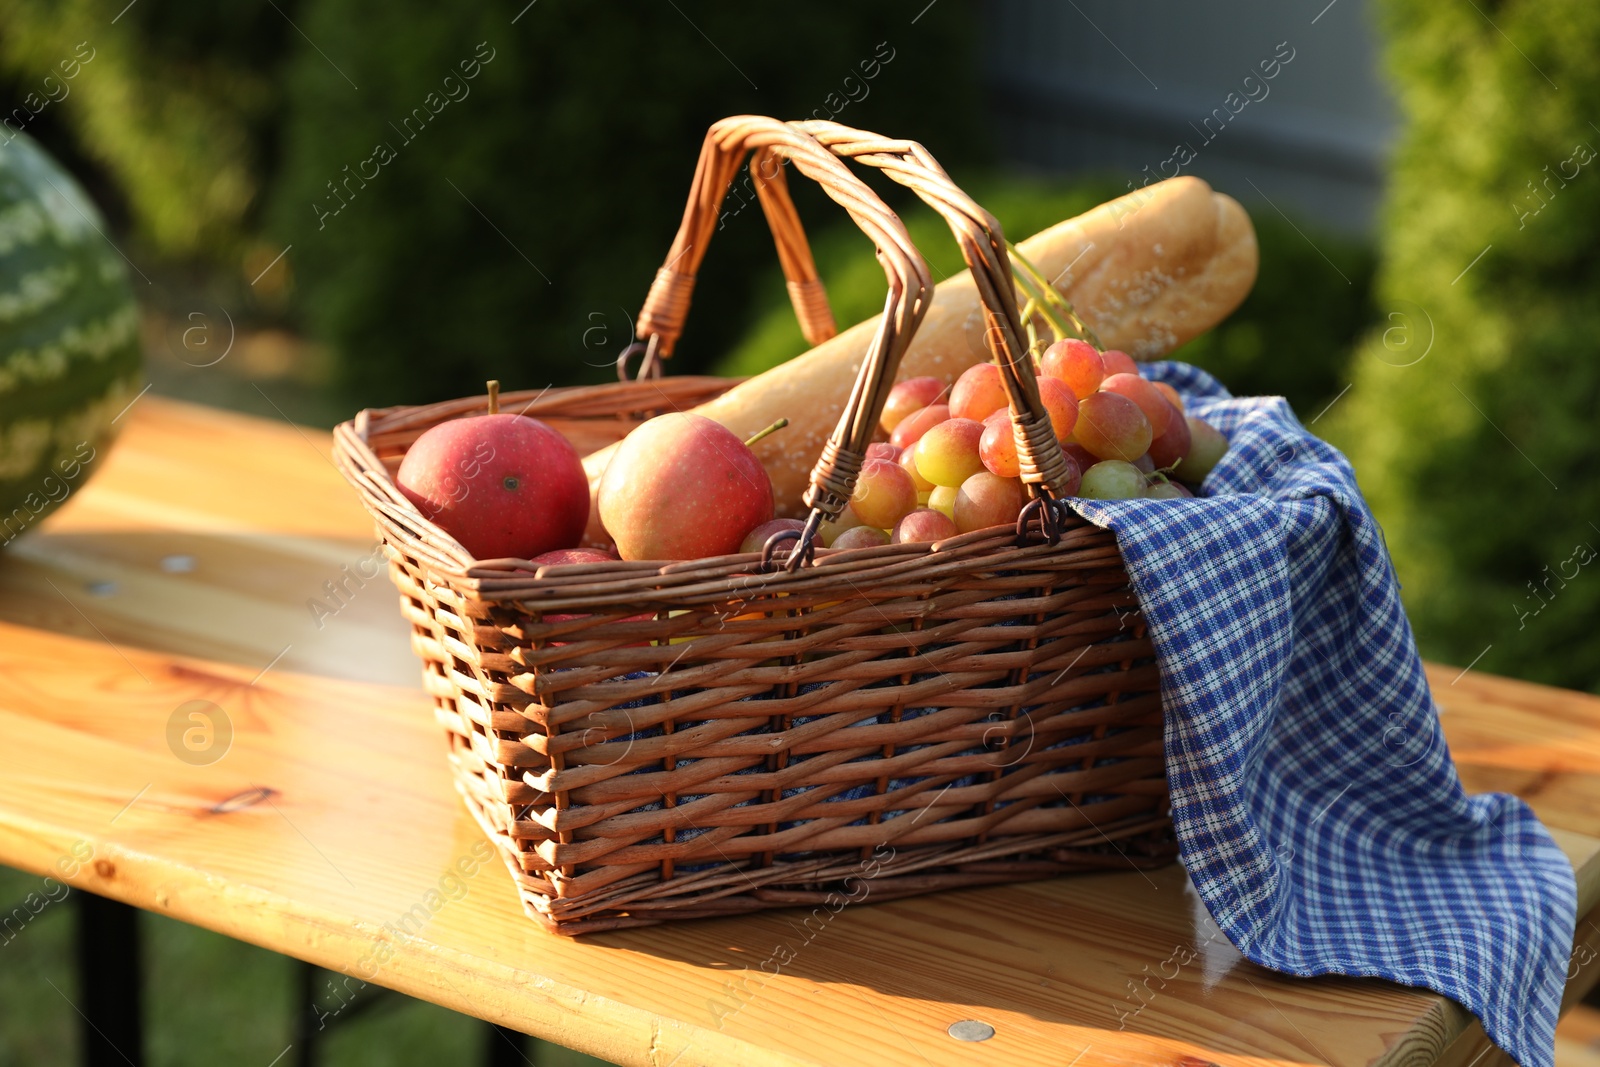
<point x="561" y="557"/>
<point x="564" y="556"/>
<point x="502" y="485"/>
<point x="683" y="487"/>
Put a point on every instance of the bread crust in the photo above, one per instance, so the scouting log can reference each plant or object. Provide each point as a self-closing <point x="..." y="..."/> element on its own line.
<point x="1147" y="271"/>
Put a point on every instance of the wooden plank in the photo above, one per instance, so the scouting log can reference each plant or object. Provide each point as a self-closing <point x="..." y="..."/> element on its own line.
<point x="1541" y="743"/>
<point x="1474" y="1049"/>
<point x="1578" y="1038"/>
<point x="330" y="830"/>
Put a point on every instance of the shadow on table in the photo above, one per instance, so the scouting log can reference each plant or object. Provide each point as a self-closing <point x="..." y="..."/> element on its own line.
<point x="1117" y="953"/>
<point x="311" y="605"/>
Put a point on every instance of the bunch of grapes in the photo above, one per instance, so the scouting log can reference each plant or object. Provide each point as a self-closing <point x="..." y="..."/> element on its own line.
<point x="951" y="467"/>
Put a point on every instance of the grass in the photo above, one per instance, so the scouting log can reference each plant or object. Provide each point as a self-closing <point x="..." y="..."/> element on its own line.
<point x="211" y="1000"/>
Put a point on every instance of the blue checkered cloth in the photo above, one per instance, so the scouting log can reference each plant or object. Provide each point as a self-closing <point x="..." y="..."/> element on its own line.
<point x="1317" y="808"/>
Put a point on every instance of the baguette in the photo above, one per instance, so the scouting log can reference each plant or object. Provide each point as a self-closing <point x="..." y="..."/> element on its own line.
<point x="1147" y="272"/>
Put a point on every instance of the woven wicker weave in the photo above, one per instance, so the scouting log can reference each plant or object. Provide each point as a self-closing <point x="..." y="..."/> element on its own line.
<point x="647" y="741"/>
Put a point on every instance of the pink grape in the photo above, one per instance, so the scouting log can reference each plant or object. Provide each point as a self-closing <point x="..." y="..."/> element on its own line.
<point x="829" y="531"/>
<point x="1146" y="395"/>
<point x="914" y="425"/>
<point x="756" y="539"/>
<point x="1172" y="395"/>
<point x="978" y="393"/>
<point x="1075" y="362"/>
<point x="943" y="500"/>
<point x="906" y="397"/>
<point x="1110" y="426"/>
<point x="879" y="450"/>
<point x="1145" y="464"/>
<point x="1118" y="362"/>
<point x="924" y="524"/>
<point x="1112" y="479"/>
<point x="908" y="463"/>
<point x="861" y="537"/>
<point x="1172" y="446"/>
<point x="1165" y="490"/>
<point x="883" y="493"/>
<point x="1061" y="405"/>
<point x="1205" y="450"/>
<point x="1080" y="455"/>
<point x="986" y="500"/>
<point x="1074" y="474"/>
<point x="947" y="454"/>
<point x="998" y="445"/>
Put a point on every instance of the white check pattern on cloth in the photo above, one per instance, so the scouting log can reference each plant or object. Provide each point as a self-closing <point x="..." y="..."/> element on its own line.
<point x="1316" y="805"/>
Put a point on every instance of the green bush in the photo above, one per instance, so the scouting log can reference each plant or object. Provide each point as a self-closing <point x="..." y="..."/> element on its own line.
<point x="1290" y="337"/>
<point x="1293" y="334"/>
<point x="175" y="102"/>
<point x="1478" y="454"/>
<point x="514" y="232"/>
<point x="514" y="235"/>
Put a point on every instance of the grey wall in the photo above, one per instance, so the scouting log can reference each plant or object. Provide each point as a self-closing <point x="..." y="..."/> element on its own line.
<point x="1113" y="87"/>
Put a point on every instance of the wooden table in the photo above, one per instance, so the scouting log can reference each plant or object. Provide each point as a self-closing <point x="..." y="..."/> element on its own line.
<point x="183" y="572"/>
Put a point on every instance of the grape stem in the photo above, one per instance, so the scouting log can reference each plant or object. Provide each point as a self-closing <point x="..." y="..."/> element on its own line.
<point x="759" y="434"/>
<point x="1042" y="293"/>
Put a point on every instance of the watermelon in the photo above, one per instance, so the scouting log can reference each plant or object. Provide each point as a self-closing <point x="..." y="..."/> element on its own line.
<point x="69" y="336"/>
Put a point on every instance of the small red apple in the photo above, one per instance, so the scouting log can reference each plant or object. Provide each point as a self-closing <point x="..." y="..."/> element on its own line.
<point x="502" y="485"/>
<point x="682" y="486"/>
<point x="563" y="557"/>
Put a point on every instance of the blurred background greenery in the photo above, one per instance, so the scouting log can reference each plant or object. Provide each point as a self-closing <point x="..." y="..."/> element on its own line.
<point x="512" y="241"/>
<point x="512" y="228"/>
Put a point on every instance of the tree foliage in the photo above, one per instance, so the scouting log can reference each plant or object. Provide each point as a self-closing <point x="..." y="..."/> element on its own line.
<point x="515" y="234"/>
<point x="1472" y="418"/>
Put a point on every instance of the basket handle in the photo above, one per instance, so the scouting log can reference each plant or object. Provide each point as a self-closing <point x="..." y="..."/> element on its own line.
<point x="727" y="143"/>
<point x="667" y="304"/>
<point x="983" y="246"/>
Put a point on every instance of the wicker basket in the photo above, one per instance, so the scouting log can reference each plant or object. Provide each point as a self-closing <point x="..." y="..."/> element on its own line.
<point x="650" y="741"/>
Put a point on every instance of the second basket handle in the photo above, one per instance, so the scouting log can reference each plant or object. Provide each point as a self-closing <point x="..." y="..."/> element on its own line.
<point x="983" y="246"/>
<point x="726" y="145"/>
<point x="667" y="304"/>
